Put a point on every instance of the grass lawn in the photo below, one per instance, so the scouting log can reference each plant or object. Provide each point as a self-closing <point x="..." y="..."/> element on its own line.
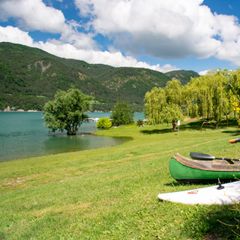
<point x="110" y="193"/>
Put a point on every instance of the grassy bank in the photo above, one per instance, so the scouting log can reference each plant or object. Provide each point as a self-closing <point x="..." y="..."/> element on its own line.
<point x="110" y="193"/>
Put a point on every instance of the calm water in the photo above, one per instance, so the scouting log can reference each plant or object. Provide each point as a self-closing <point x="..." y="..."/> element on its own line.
<point x="23" y="135"/>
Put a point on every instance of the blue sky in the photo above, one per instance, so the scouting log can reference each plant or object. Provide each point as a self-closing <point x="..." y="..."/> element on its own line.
<point x="157" y="34"/>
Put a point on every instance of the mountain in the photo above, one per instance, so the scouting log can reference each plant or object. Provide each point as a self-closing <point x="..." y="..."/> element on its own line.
<point x="29" y="77"/>
<point x="183" y="75"/>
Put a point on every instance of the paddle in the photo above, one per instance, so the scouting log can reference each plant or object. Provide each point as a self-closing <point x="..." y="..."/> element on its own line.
<point x="234" y="140"/>
<point x="204" y="156"/>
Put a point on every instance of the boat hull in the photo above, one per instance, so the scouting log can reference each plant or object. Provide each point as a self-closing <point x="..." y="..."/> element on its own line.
<point x="181" y="172"/>
<point x="229" y="193"/>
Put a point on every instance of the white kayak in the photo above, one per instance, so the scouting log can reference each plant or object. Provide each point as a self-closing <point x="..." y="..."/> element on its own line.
<point x="229" y="193"/>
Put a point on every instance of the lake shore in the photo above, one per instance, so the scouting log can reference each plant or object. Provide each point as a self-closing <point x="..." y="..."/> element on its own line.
<point x="111" y="193"/>
<point x="22" y="132"/>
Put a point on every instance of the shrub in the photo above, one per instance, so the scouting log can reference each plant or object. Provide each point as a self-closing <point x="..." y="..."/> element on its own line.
<point x="104" y="123"/>
<point x="122" y="114"/>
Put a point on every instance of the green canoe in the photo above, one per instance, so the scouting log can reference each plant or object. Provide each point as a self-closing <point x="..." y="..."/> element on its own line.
<point x="184" y="169"/>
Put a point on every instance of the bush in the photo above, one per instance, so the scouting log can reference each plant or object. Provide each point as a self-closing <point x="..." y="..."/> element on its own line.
<point x="122" y="114"/>
<point x="104" y="123"/>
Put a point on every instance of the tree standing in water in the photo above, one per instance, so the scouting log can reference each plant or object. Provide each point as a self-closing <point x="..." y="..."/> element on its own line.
<point x="67" y="110"/>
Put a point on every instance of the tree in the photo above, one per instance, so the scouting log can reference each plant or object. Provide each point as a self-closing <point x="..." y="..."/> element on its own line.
<point x="234" y="93"/>
<point x="67" y="110"/>
<point x="155" y="101"/>
<point x="164" y="104"/>
<point x="207" y="97"/>
<point x="122" y="114"/>
<point x="171" y="113"/>
<point x="173" y="92"/>
<point x="104" y="123"/>
<point x="215" y="96"/>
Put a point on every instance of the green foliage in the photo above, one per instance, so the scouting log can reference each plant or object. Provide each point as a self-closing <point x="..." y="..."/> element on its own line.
<point x="104" y="123"/>
<point x="155" y="101"/>
<point x="29" y="72"/>
<point x="234" y="82"/>
<point x="162" y="105"/>
<point x="171" y="112"/>
<point x="67" y="110"/>
<point x="122" y="114"/>
<point x="210" y="95"/>
<point x="214" y="97"/>
<point x="173" y="91"/>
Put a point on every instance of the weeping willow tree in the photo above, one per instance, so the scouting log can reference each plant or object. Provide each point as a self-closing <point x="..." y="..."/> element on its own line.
<point x="173" y="91"/>
<point x="215" y="96"/>
<point x="155" y="101"/>
<point x="173" y="109"/>
<point x="207" y="97"/>
<point x="234" y="93"/>
<point x="163" y="105"/>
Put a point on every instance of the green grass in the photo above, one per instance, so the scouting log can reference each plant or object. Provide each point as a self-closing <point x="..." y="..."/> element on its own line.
<point x="110" y="193"/>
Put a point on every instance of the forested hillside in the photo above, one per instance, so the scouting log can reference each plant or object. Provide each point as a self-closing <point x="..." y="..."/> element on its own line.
<point x="182" y="75"/>
<point x="29" y="77"/>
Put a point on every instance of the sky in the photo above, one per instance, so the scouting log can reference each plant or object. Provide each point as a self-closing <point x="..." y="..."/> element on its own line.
<point x="156" y="34"/>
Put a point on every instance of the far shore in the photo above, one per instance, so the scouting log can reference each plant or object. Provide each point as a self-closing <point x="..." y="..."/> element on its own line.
<point x="17" y="111"/>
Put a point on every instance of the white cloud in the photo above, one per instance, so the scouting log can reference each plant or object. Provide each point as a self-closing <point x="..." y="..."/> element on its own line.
<point x="228" y="27"/>
<point x="204" y="72"/>
<point x="33" y="15"/>
<point x="78" y="39"/>
<point x="229" y="31"/>
<point x="15" y="35"/>
<point x="68" y="50"/>
<point x="211" y="71"/>
<point x="157" y="27"/>
<point x="85" y="6"/>
<point x="165" y="29"/>
<point x="116" y="59"/>
<point x="36" y="15"/>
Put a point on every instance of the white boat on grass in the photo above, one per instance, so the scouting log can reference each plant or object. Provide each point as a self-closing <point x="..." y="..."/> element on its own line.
<point x="228" y="193"/>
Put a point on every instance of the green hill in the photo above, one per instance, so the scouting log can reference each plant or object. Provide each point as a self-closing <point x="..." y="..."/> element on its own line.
<point x="183" y="75"/>
<point x="29" y="77"/>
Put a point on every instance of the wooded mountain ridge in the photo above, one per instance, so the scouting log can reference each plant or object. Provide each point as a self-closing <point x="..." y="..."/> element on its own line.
<point x="29" y="77"/>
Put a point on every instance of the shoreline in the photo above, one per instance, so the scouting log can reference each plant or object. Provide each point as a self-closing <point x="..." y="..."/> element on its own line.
<point x="28" y="111"/>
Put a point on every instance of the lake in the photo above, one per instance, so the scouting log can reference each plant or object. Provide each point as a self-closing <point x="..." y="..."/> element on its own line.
<point x="23" y="134"/>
